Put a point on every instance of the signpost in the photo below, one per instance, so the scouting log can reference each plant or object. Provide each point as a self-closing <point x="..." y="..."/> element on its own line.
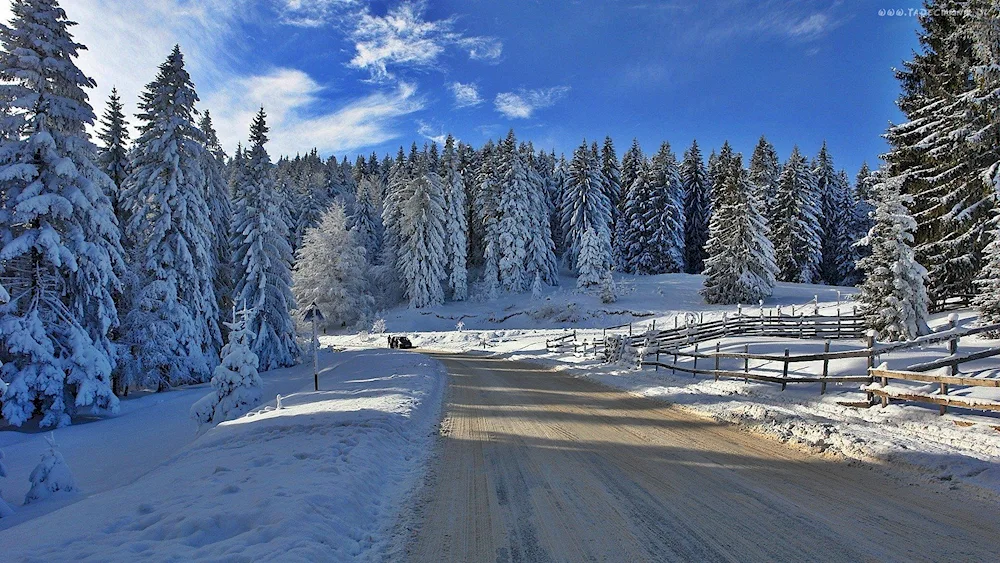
<point x="314" y="315"/>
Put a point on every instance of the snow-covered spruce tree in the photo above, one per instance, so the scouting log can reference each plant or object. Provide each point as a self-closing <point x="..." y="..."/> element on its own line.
<point x="236" y="386"/>
<point x="593" y="264"/>
<point x="585" y="206"/>
<point x="513" y="217"/>
<point x="386" y="274"/>
<point x="740" y="267"/>
<point x="366" y="222"/>
<point x="487" y="204"/>
<point x="948" y="141"/>
<point x="833" y="192"/>
<point x="637" y="254"/>
<point x="862" y="213"/>
<point x="560" y="179"/>
<point x="263" y="257"/>
<point x="893" y="296"/>
<point x="765" y="170"/>
<point x="612" y="178"/>
<point x="112" y="156"/>
<point x="60" y="258"/>
<point x="51" y="475"/>
<point x="795" y="231"/>
<point x="633" y="164"/>
<point x="311" y="185"/>
<point x="220" y="215"/>
<point x="666" y="216"/>
<point x="541" y="258"/>
<point x="456" y="225"/>
<point x="697" y="209"/>
<point x="171" y="328"/>
<point x="331" y="270"/>
<point x="422" y="254"/>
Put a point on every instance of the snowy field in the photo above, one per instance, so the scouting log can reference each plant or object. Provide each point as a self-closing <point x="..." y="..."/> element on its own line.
<point x="961" y="446"/>
<point x="321" y="478"/>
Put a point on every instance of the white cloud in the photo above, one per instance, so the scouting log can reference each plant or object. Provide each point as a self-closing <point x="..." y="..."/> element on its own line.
<point x="523" y="103"/>
<point x="292" y="101"/>
<point x="466" y="95"/>
<point x="311" y="13"/>
<point x="127" y="41"/>
<point x="431" y="133"/>
<point x="403" y="37"/>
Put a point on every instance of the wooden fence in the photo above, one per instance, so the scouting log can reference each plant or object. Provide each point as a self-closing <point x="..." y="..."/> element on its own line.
<point x="947" y="381"/>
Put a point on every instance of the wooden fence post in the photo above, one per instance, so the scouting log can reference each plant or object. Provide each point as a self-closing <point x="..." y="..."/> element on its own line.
<point x="826" y="367"/>
<point x="746" y="363"/>
<point x="695" y="359"/>
<point x="784" y="372"/>
<point x="870" y="344"/>
<point x="952" y="350"/>
<point x="630" y="329"/>
<point x="653" y="329"/>
<point x="716" y="361"/>
<point x="656" y="367"/>
<point x="838" y="323"/>
<point x="801" y="326"/>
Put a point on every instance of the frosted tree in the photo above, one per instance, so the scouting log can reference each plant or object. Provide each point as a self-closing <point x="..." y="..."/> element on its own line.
<point x="398" y="191"/>
<point x="366" y="222"/>
<point x="666" y="215"/>
<point x="60" y="254"/>
<point x="949" y="141"/>
<point x="835" y="216"/>
<point x="112" y="156"/>
<point x="637" y="253"/>
<point x="51" y="475"/>
<point x="585" y="207"/>
<point x="740" y="267"/>
<point x="795" y="229"/>
<point x="697" y="208"/>
<point x="220" y="214"/>
<point x="236" y="386"/>
<point x="633" y="164"/>
<point x="765" y="171"/>
<point x="172" y="325"/>
<point x="593" y="265"/>
<point x="540" y="250"/>
<point x="612" y="178"/>
<point x="331" y="271"/>
<point x="487" y="204"/>
<point x="422" y="254"/>
<point x="893" y="297"/>
<point x="263" y="256"/>
<point x="456" y="224"/>
<point x="513" y="216"/>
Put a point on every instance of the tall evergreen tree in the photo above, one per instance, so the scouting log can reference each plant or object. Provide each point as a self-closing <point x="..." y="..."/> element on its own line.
<point x="585" y="206"/>
<point x="637" y="251"/>
<point x="263" y="256"/>
<point x="835" y="206"/>
<point x="740" y="267"/>
<point x="59" y="240"/>
<point x="540" y="250"/>
<point x="667" y="214"/>
<point x="172" y="326"/>
<point x="612" y="178"/>
<point x="697" y="209"/>
<point x="113" y="154"/>
<point x="456" y="223"/>
<point x="796" y="232"/>
<point x="948" y="141"/>
<point x="422" y="255"/>
<point x="893" y="297"/>
<point x="513" y="217"/>
<point x="765" y="170"/>
<point x="220" y="215"/>
<point x="366" y="223"/>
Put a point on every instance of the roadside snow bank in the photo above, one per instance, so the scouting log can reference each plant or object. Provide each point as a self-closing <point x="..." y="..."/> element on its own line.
<point x="321" y="479"/>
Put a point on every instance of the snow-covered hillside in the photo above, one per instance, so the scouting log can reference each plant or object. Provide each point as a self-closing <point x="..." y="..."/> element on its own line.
<point x="320" y="479"/>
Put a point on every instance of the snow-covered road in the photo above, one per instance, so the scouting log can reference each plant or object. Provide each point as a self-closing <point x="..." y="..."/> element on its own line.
<point x="537" y="465"/>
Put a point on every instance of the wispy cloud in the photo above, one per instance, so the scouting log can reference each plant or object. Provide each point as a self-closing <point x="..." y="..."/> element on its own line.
<point x="403" y="37"/>
<point x="431" y="133"/>
<point x="523" y="103"/>
<point x="466" y="95"/>
<point x="312" y="13"/>
<point x="293" y="102"/>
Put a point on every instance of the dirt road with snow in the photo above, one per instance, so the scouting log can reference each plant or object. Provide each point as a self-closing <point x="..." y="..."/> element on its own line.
<point x="536" y="465"/>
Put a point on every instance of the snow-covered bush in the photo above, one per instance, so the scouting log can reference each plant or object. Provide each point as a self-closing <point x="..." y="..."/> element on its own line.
<point x="378" y="326"/>
<point x="51" y="475"/>
<point x="236" y="385"/>
<point x="609" y="291"/>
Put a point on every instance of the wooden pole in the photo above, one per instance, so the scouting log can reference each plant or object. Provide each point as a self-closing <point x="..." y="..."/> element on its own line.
<point x="826" y="367"/>
<point x="784" y="372"/>
<point x="695" y="359"/>
<point x="952" y="350"/>
<point x="716" y="361"/>
<point x="315" y="343"/>
<point x="870" y="344"/>
<point x="746" y="362"/>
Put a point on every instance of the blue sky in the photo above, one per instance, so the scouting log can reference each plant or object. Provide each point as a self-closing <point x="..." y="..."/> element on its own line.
<point x="351" y="76"/>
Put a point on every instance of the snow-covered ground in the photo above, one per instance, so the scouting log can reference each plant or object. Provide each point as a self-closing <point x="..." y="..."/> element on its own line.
<point x="959" y="446"/>
<point x="322" y="478"/>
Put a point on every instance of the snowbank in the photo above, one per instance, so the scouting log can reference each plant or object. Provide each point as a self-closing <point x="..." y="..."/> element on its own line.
<point x="321" y="479"/>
